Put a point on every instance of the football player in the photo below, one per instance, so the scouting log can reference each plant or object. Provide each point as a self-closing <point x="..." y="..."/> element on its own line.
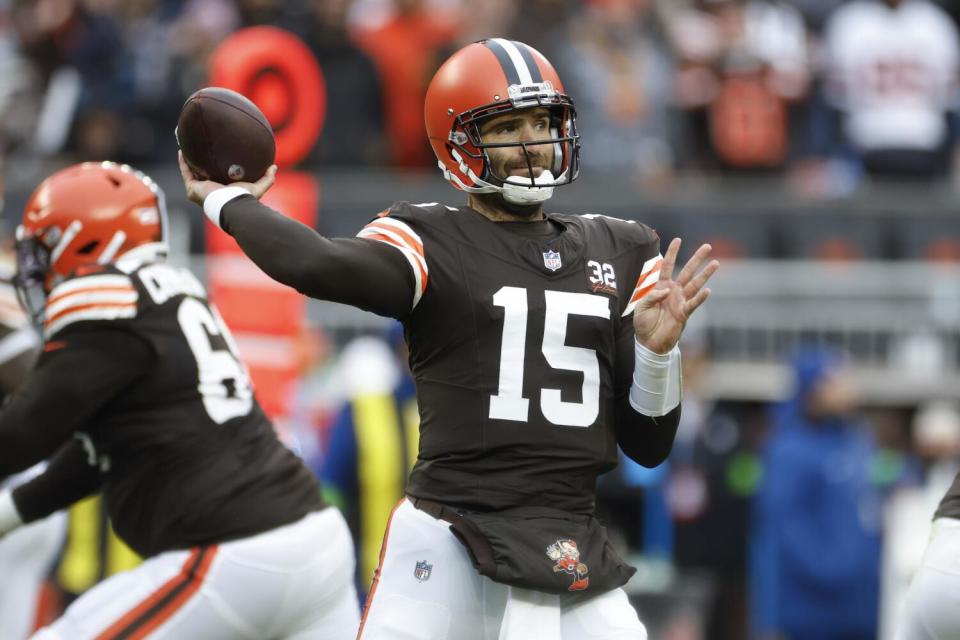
<point x="139" y="395"/>
<point x="539" y="342"/>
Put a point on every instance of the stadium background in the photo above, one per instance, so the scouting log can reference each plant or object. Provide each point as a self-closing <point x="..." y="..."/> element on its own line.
<point x="716" y="121"/>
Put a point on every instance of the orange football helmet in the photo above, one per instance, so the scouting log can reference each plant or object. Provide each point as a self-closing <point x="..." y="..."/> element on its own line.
<point x="88" y="214"/>
<point x="489" y="78"/>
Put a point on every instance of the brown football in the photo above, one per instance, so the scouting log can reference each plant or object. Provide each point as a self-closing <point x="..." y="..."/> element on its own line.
<point x="224" y="136"/>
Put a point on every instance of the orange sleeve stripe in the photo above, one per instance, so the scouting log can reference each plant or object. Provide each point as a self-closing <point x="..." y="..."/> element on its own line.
<point x="86" y="307"/>
<point x="398" y="245"/>
<point x="639" y="293"/>
<point x="415" y="244"/>
<point x="114" y="289"/>
<point x="163" y="603"/>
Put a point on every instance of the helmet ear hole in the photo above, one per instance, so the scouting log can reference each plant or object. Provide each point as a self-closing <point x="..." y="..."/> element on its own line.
<point x="88" y="248"/>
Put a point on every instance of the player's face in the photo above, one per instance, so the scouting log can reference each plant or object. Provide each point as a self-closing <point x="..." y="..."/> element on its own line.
<point x="527" y="125"/>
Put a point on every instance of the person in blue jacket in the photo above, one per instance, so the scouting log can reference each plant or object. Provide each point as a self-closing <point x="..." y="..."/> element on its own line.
<point x="817" y="560"/>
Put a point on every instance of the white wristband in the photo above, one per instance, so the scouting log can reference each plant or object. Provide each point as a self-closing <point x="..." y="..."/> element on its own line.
<point x="657" y="382"/>
<point x="9" y="516"/>
<point x="215" y="201"/>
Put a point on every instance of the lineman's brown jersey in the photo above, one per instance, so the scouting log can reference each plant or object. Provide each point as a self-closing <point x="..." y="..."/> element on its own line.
<point x="521" y="341"/>
<point x="141" y="373"/>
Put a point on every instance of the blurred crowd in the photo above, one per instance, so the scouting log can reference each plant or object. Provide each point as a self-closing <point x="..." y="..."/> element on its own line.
<point x="823" y="92"/>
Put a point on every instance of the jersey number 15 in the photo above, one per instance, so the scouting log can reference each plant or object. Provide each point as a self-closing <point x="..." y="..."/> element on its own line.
<point x="509" y="403"/>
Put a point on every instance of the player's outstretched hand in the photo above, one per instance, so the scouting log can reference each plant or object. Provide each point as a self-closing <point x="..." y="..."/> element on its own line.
<point x="198" y="190"/>
<point x="660" y="316"/>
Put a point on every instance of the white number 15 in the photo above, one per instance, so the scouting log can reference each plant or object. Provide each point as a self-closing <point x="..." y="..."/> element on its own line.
<point x="509" y="403"/>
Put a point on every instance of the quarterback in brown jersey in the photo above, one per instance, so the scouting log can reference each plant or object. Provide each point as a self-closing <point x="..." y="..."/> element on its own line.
<point x="539" y="342"/>
<point x="139" y="395"/>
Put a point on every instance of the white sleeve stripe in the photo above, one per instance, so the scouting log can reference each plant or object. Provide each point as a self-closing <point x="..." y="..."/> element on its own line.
<point x="96" y="313"/>
<point x="83" y="298"/>
<point x="59" y="296"/>
<point x="398" y="242"/>
<point x="401" y="226"/>
<point x="420" y="285"/>
<point x="89" y="282"/>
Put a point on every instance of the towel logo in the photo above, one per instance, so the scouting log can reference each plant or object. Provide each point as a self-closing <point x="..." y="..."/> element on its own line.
<point x="566" y="556"/>
<point x="422" y="571"/>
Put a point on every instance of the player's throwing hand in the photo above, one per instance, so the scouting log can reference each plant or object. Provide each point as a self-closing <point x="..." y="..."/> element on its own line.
<point x="198" y="190"/>
<point x="661" y="315"/>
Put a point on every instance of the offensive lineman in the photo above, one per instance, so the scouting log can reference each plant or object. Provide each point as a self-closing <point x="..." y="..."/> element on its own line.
<point x="539" y="342"/>
<point x="139" y="395"/>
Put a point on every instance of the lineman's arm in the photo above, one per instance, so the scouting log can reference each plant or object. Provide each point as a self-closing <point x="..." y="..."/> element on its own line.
<point x="78" y="374"/>
<point x="363" y="273"/>
<point x="68" y="478"/>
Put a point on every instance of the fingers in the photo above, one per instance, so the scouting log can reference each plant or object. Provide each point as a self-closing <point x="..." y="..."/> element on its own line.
<point x="670" y="260"/>
<point x="693" y="303"/>
<point x="185" y="172"/>
<point x="655" y="296"/>
<point x="261" y="186"/>
<point x="693" y="264"/>
<point x="692" y="287"/>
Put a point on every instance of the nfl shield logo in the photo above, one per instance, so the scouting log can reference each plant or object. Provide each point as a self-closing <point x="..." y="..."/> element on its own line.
<point x="551" y="260"/>
<point x="422" y="571"/>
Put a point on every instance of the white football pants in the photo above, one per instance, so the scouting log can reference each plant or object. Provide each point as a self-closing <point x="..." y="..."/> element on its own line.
<point x="427" y="589"/>
<point x="294" y="582"/>
<point x="26" y="557"/>
<point x="932" y="608"/>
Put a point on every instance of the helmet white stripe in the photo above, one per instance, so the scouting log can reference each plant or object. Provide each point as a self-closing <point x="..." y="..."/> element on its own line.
<point x="112" y="247"/>
<point x="517" y="59"/>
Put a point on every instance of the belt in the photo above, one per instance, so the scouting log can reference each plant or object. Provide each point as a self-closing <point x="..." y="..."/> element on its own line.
<point x="435" y="509"/>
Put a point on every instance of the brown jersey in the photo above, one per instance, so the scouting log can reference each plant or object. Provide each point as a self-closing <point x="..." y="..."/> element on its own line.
<point x="140" y="369"/>
<point x="520" y="340"/>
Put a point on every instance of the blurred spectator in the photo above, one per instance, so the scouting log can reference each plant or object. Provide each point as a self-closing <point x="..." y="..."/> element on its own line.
<point x="715" y="471"/>
<point x="92" y="552"/>
<point x="743" y="62"/>
<point x="83" y="36"/>
<point x="816" y="573"/>
<point x="406" y="41"/>
<point x="908" y="517"/>
<point x="621" y="77"/>
<point x="891" y="69"/>
<point x="373" y="442"/>
<point x="354" y="130"/>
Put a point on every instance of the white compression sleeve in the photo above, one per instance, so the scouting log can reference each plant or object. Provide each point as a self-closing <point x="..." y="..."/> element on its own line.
<point x="215" y="201"/>
<point x="657" y="381"/>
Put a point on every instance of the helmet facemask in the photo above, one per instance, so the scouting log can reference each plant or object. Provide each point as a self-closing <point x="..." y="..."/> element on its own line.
<point x="30" y="280"/>
<point x="465" y="143"/>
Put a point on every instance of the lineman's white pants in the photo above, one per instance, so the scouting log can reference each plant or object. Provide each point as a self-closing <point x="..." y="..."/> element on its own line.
<point x="932" y="609"/>
<point x="293" y="582"/>
<point x="26" y="557"/>
<point x="450" y="600"/>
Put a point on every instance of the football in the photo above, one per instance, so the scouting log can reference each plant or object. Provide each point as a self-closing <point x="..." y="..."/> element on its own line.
<point x="224" y="136"/>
